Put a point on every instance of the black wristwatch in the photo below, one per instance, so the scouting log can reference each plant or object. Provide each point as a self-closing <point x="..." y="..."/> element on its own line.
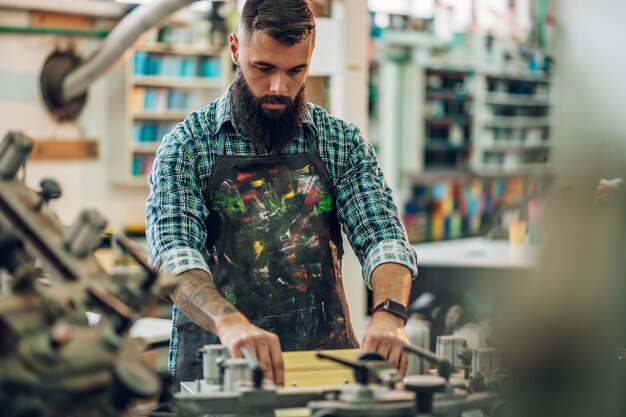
<point x="392" y="307"/>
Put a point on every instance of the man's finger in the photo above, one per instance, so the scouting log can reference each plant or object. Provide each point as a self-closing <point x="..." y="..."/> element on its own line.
<point x="369" y="345"/>
<point x="277" y="363"/>
<point x="395" y="355"/>
<point x="265" y="362"/>
<point x="404" y="364"/>
<point x="383" y="349"/>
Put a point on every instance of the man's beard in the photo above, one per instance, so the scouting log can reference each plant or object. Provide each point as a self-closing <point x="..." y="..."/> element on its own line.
<point x="270" y="129"/>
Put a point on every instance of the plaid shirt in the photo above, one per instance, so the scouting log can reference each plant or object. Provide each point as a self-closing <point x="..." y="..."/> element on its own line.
<point x="175" y="210"/>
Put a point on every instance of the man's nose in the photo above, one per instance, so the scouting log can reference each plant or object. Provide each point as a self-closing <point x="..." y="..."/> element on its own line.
<point x="278" y="84"/>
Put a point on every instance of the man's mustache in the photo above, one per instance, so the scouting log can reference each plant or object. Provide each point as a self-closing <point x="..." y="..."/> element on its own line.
<point x="274" y="99"/>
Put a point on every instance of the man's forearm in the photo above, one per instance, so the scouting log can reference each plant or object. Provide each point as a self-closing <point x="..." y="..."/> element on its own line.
<point x="392" y="281"/>
<point x="198" y="298"/>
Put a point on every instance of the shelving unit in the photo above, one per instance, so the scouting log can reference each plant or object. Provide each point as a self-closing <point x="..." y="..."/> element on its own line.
<point x="512" y="124"/>
<point x="468" y="120"/>
<point x="462" y="141"/>
<point x="447" y="100"/>
<point x="163" y="82"/>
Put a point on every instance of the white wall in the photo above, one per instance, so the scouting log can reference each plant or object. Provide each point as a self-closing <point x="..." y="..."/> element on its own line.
<point x="591" y="89"/>
<point x="85" y="183"/>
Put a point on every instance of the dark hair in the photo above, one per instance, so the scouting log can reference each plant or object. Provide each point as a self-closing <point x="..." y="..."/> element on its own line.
<point x="285" y="21"/>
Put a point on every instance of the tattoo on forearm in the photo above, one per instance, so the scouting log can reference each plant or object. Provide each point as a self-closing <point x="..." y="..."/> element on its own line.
<point x="199" y="299"/>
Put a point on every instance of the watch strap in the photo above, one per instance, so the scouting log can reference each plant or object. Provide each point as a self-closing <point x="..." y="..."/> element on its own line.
<point x="392" y="307"/>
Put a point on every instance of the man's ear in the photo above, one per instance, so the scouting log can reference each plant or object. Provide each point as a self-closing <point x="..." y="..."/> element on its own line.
<point x="234" y="48"/>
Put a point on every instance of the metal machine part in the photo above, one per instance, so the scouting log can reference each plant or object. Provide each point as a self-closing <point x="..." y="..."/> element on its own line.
<point x="14" y="151"/>
<point x="370" y="368"/>
<point x="122" y="37"/>
<point x="389" y="404"/>
<point x="52" y="361"/>
<point x="444" y="368"/>
<point x="425" y="387"/>
<point x="211" y="370"/>
<point x="365" y="398"/>
<point x="84" y="236"/>
<point x="236" y="374"/>
<point x="418" y="332"/>
<point x="54" y="71"/>
<point x="240" y="398"/>
<point x="485" y="361"/>
<point x="448" y="347"/>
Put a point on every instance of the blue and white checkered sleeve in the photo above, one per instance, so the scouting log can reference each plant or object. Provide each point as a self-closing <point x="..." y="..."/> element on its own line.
<point x="175" y="210"/>
<point x="389" y="251"/>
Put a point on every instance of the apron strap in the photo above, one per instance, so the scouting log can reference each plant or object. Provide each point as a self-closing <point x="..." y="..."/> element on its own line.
<point x="310" y="138"/>
<point x="222" y="141"/>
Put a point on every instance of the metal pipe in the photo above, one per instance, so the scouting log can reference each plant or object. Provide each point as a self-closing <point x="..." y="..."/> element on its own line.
<point x="122" y="37"/>
<point x="95" y="8"/>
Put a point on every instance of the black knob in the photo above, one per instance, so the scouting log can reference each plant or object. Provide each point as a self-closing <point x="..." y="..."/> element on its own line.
<point x="50" y="189"/>
<point x="465" y="355"/>
<point x="425" y="387"/>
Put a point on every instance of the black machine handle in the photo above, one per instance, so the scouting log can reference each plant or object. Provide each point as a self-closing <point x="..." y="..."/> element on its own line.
<point x="444" y="368"/>
<point x="128" y="247"/>
<point x="360" y="368"/>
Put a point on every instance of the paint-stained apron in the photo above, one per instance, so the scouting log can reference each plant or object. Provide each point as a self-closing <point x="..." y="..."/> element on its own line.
<point x="274" y="249"/>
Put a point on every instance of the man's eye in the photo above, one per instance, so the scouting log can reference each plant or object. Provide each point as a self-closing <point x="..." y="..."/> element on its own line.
<point x="295" y="71"/>
<point x="264" y="69"/>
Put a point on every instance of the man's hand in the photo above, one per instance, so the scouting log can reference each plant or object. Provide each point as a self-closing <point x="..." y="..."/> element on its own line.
<point x="236" y="332"/>
<point x="199" y="299"/>
<point x="385" y="335"/>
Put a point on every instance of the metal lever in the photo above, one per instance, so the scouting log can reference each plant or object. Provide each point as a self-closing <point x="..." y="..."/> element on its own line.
<point x="363" y="369"/>
<point x="128" y="247"/>
<point x="257" y="372"/>
<point x="444" y="368"/>
<point x="50" y="189"/>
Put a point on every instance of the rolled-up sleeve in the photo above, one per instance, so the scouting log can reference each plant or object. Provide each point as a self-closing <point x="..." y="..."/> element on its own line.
<point x="367" y="212"/>
<point x="175" y="209"/>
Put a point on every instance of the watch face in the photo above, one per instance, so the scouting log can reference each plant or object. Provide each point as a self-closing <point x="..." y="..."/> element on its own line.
<point x="395" y="308"/>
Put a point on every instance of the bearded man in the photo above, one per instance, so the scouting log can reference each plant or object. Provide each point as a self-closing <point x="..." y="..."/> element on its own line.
<point x="248" y="197"/>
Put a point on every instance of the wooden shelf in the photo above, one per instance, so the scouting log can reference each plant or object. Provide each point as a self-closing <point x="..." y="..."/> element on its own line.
<point x="507" y="148"/>
<point x="148" y="148"/>
<point x="177" y="82"/>
<point x="441" y="146"/>
<point x="503" y="99"/>
<point x="518" y="122"/>
<point x="526" y="169"/>
<point x="166" y="48"/>
<point x="208" y="71"/>
<point x="524" y="77"/>
<point x="449" y="120"/>
<point x="447" y="95"/>
<point x="173" y="115"/>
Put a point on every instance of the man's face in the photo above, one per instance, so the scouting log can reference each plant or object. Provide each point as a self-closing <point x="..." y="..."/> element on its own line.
<point x="270" y="68"/>
<point x="268" y="99"/>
